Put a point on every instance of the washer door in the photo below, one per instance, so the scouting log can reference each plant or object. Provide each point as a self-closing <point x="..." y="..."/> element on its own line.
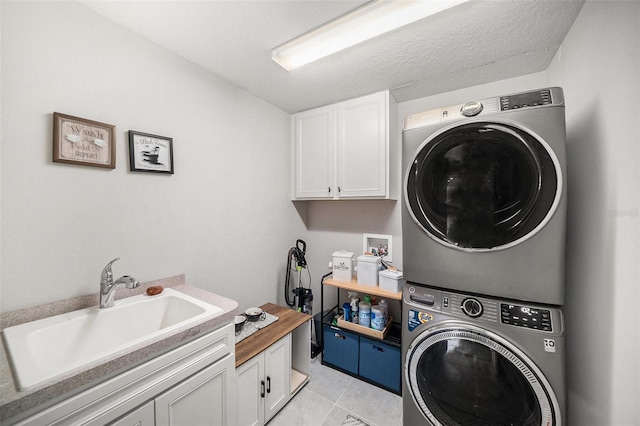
<point x="482" y="185"/>
<point x="469" y="376"/>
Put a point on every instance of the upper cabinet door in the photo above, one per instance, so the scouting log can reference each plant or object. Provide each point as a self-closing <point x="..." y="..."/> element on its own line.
<point x="346" y="150"/>
<point x="362" y="146"/>
<point x="314" y="136"/>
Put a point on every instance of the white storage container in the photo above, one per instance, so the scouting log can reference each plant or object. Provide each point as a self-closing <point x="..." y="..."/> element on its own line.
<point x="368" y="269"/>
<point x="342" y="265"/>
<point x="391" y="280"/>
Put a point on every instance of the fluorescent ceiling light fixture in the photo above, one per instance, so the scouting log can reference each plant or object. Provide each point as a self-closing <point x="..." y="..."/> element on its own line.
<point x="369" y="21"/>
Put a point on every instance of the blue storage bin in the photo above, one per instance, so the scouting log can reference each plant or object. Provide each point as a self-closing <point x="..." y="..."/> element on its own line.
<point x="380" y="363"/>
<point x="341" y="348"/>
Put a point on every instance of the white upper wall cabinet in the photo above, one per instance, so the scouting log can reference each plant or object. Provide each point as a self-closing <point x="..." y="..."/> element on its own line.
<point x="314" y="147"/>
<point x="346" y="150"/>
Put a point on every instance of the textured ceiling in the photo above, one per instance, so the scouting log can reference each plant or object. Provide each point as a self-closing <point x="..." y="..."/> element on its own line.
<point x="475" y="43"/>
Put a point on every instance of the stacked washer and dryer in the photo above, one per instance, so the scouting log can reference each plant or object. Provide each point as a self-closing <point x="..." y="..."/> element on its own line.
<point x="483" y="232"/>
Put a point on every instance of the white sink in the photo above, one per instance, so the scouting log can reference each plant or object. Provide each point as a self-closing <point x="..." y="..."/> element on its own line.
<point x="51" y="348"/>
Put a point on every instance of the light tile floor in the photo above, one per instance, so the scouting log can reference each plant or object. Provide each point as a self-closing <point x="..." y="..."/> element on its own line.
<point x="331" y="395"/>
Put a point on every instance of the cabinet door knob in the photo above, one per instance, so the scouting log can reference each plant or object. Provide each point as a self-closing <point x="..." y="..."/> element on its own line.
<point x="268" y="384"/>
<point x="262" y="388"/>
<point x="329" y="189"/>
<point x="339" y="189"/>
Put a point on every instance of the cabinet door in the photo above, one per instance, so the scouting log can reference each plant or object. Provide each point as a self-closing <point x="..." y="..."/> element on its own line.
<point x="203" y="399"/>
<point x="277" y="359"/>
<point x="362" y="146"/>
<point x="251" y="387"/>
<point x="314" y="153"/>
<point x="141" y="416"/>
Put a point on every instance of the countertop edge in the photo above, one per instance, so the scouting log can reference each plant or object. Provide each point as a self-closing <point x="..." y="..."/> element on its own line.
<point x="13" y="402"/>
<point x="288" y="320"/>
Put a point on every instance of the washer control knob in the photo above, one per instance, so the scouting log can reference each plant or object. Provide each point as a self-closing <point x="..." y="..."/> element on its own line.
<point x="472" y="307"/>
<point x="471" y="108"/>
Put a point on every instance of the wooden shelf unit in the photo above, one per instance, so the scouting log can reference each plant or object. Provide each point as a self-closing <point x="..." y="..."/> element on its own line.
<point x="339" y="353"/>
<point x="363" y="289"/>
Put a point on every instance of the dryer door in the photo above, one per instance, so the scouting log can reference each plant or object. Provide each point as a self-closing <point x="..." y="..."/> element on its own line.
<point x="482" y="185"/>
<point x="470" y="376"/>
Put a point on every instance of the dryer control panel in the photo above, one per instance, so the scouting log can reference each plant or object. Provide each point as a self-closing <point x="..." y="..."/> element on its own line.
<point x="486" y="106"/>
<point x="526" y="100"/>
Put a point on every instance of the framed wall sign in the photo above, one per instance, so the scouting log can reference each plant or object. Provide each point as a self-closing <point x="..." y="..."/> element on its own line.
<point x="150" y="153"/>
<point x="83" y="142"/>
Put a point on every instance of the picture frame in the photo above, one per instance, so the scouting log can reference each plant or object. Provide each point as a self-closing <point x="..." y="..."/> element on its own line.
<point x="83" y="142"/>
<point x="150" y="153"/>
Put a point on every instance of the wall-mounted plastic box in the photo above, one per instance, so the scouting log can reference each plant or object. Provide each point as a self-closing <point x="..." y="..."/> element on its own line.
<point x="378" y="244"/>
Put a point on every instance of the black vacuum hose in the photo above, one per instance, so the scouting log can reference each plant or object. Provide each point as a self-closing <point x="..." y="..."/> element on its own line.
<point x="287" y="280"/>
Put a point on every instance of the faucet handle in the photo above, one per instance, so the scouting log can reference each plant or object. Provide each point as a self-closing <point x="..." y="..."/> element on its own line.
<point x="106" y="272"/>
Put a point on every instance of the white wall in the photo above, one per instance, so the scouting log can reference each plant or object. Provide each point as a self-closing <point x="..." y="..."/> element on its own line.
<point x="224" y="218"/>
<point x="339" y="225"/>
<point x="598" y="66"/>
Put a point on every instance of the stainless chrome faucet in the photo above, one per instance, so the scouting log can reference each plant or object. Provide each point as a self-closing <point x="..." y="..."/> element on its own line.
<point x="108" y="286"/>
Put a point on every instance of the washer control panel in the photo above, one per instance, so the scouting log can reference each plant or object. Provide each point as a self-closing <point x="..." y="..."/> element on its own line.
<point x="430" y="302"/>
<point x="525" y="316"/>
<point x="460" y="305"/>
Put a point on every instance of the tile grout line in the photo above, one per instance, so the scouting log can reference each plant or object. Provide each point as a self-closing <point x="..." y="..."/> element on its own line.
<point x="364" y="418"/>
<point x="348" y="410"/>
<point x="333" y="404"/>
<point x="339" y="403"/>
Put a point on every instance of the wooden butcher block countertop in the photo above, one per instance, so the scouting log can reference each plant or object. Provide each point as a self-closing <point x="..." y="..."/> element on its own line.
<point x="288" y="320"/>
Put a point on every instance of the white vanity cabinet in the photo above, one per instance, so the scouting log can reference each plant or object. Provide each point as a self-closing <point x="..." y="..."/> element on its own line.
<point x="263" y="383"/>
<point x="193" y="384"/>
<point x="272" y="365"/>
<point x="145" y="415"/>
<point x="346" y="150"/>
<point x="200" y="400"/>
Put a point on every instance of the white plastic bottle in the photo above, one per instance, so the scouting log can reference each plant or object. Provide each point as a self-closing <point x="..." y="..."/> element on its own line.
<point x="385" y="306"/>
<point x="365" y="314"/>
<point x="377" y="318"/>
